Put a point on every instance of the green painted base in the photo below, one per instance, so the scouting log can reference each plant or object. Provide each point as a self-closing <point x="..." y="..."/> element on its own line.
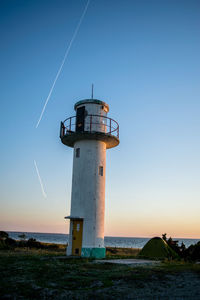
<point x="93" y="252"/>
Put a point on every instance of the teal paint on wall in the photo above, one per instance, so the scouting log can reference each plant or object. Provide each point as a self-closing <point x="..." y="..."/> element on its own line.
<point x="93" y="252"/>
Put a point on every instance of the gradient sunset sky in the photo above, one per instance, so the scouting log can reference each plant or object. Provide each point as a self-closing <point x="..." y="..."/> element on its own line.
<point x="143" y="58"/>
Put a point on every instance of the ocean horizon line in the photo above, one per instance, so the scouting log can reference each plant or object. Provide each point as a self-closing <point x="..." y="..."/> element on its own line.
<point x="113" y="236"/>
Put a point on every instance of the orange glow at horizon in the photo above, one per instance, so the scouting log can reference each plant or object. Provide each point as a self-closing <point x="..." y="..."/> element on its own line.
<point x="114" y="228"/>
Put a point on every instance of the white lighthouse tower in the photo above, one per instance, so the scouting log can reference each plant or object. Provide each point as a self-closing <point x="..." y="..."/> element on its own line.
<point x="90" y="133"/>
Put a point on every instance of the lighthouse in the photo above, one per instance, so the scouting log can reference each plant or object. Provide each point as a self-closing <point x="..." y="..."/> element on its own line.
<point x="90" y="133"/>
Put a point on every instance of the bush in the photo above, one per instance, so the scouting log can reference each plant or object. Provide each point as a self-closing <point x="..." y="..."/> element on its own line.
<point x="10" y="242"/>
<point x="193" y="252"/>
<point x="7" y="244"/>
<point x="3" y="235"/>
<point x="32" y="243"/>
<point x="22" y="244"/>
<point x="3" y="245"/>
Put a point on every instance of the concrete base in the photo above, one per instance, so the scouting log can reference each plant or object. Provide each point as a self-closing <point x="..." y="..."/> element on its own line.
<point x="93" y="252"/>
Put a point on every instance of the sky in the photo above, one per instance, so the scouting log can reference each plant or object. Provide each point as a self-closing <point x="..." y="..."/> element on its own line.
<point x="143" y="58"/>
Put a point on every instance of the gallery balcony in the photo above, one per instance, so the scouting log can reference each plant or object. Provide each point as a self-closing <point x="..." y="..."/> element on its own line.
<point x="91" y="127"/>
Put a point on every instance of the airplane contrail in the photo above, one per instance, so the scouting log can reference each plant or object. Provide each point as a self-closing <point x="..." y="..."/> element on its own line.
<point x="63" y="61"/>
<point x="40" y="180"/>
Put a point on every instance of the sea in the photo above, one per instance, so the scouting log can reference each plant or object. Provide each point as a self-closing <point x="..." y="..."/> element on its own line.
<point x="109" y="241"/>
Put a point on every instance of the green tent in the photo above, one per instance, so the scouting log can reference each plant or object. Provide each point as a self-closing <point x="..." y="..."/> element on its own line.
<point x="157" y="248"/>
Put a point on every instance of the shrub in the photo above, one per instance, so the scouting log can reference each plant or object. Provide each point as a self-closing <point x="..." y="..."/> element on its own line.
<point x="3" y="235"/>
<point x="7" y="244"/>
<point x="32" y="243"/>
<point x="10" y="242"/>
<point x="3" y="245"/>
<point x="193" y="252"/>
<point x="22" y="244"/>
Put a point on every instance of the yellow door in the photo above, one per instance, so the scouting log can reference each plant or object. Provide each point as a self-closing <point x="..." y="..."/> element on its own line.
<point x="77" y="237"/>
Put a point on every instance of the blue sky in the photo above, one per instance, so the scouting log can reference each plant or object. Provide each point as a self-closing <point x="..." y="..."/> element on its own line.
<point x="143" y="58"/>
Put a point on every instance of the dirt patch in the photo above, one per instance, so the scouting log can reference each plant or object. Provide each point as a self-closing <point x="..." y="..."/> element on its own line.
<point x="132" y="262"/>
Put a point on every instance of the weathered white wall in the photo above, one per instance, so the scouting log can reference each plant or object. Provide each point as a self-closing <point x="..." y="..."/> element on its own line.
<point x="88" y="191"/>
<point x="98" y="124"/>
<point x="88" y="186"/>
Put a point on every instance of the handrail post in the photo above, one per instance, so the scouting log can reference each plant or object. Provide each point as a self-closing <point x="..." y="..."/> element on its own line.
<point x="90" y="123"/>
<point x="110" y="125"/>
<point x="61" y="129"/>
<point x="70" y="123"/>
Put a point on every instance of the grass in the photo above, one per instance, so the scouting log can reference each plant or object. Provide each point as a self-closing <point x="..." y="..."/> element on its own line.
<point x="47" y="273"/>
<point x="113" y="252"/>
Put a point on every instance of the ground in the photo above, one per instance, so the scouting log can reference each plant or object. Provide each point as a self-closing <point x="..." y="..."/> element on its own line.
<point x="48" y="274"/>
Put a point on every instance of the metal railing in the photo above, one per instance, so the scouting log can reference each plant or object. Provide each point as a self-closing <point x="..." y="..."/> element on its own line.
<point x="92" y="124"/>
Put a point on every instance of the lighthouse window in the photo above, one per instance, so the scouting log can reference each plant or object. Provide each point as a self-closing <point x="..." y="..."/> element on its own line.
<point x="101" y="170"/>
<point x="77" y="152"/>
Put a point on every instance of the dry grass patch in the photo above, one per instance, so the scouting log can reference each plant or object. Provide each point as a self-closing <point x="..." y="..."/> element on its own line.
<point x="112" y="252"/>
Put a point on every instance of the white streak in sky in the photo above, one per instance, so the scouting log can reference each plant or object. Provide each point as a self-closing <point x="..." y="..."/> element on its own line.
<point x="40" y="180"/>
<point x="63" y="61"/>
